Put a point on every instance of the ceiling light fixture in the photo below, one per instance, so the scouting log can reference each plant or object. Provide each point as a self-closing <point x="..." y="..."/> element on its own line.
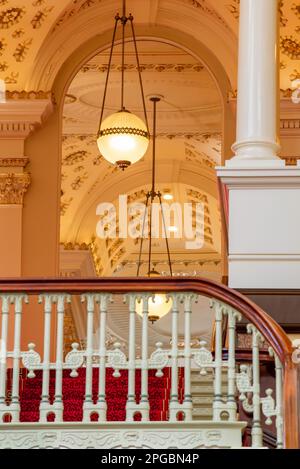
<point x="168" y="196"/>
<point x="123" y="138"/>
<point x="160" y="305"/>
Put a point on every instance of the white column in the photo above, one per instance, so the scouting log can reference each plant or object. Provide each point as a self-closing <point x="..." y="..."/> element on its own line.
<point x="257" y="107"/>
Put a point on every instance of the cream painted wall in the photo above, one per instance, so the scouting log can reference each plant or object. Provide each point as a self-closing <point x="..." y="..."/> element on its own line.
<point x="10" y="240"/>
<point x="40" y="241"/>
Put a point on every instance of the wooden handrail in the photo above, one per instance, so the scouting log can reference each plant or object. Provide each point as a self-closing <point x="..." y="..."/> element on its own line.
<point x="271" y="331"/>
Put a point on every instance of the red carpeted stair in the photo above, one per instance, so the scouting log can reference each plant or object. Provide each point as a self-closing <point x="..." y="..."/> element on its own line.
<point x="74" y="389"/>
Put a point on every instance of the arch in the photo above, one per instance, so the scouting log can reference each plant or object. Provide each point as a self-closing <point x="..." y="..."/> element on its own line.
<point x="155" y="33"/>
<point x="50" y="135"/>
<point x="80" y="29"/>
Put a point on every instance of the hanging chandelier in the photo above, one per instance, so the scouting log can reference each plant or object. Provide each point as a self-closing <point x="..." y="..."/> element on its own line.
<point x="159" y="305"/>
<point x="123" y="138"/>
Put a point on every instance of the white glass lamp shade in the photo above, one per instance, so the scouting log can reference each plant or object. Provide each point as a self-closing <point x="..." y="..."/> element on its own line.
<point x="158" y="307"/>
<point x="123" y="139"/>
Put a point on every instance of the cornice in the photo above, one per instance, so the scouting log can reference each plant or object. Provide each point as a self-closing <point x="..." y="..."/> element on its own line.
<point x="20" y="117"/>
<point x="13" y="187"/>
<point x="31" y="95"/>
<point x="12" y="162"/>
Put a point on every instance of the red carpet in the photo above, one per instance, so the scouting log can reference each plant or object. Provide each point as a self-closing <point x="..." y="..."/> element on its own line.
<point x="74" y="388"/>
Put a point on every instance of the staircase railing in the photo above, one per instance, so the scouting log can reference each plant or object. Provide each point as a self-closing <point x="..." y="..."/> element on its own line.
<point x="243" y="379"/>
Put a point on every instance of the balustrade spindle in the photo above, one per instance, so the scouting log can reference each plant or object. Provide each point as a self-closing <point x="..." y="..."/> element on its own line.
<point x="58" y="402"/>
<point x="279" y="398"/>
<point x="279" y="402"/>
<point x="17" y="300"/>
<point x="88" y="406"/>
<point x="3" y="354"/>
<point x="131" y="401"/>
<point x="144" y="404"/>
<point x="256" y="433"/>
<point x="233" y="316"/>
<point x="218" y="405"/>
<point x="174" y="404"/>
<point x="45" y="406"/>
<point x="188" y="403"/>
<point x="101" y="403"/>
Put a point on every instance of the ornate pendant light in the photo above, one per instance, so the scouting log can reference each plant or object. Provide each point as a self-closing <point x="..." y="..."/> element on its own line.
<point x="158" y="306"/>
<point x="123" y="138"/>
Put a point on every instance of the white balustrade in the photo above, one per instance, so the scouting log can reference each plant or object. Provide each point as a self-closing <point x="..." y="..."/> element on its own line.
<point x="58" y="398"/>
<point x="233" y="317"/>
<point x="242" y="385"/>
<point x="5" y="300"/>
<point x="131" y="401"/>
<point x="219" y="406"/>
<point x="174" y="406"/>
<point x="101" y="403"/>
<point x="12" y="410"/>
<point x="187" y="403"/>
<point x="88" y="406"/>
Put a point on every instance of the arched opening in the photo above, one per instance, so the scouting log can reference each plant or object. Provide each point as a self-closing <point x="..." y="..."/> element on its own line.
<point x="189" y="146"/>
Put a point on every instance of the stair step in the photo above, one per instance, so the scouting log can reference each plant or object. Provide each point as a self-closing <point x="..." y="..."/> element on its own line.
<point x="202" y="412"/>
<point x="203" y="400"/>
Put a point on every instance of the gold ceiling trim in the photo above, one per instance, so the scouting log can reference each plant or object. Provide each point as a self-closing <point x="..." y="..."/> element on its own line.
<point x="30" y="95"/>
<point x="10" y="162"/>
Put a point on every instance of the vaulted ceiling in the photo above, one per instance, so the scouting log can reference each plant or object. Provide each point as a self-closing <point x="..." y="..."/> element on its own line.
<point x="37" y="37"/>
<point x="189" y="125"/>
<point x="34" y="33"/>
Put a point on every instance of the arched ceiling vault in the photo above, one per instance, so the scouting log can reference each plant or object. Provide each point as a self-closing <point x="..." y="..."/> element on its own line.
<point x="37" y="36"/>
<point x="189" y="130"/>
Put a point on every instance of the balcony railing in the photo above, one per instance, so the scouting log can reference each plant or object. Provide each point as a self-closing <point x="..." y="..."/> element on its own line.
<point x="153" y="386"/>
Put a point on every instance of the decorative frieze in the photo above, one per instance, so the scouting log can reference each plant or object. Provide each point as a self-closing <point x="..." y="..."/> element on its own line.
<point x="13" y="187"/>
<point x="19" y="116"/>
<point x="290" y="124"/>
<point x="17" y="95"/>
<point x="11" y="162"/>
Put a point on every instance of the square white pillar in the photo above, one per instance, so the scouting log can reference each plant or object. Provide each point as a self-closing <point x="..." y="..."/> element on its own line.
<point x="264" y="227"/>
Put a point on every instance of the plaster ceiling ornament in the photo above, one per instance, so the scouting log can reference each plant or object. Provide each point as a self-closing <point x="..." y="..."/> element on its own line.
<point x="123" y="138"/>
<point x="12" y="162"/>
<point x="13" y="187"/>
<point x="38" y="20"/>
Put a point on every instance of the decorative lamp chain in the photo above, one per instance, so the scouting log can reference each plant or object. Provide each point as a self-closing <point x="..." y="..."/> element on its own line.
<point x="123" y="20"/>
<point x="151" y="195"/>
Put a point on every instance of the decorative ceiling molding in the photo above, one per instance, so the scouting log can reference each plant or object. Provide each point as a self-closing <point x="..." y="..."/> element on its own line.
<point x="206" y="8"/>
<point x="290" y="46"/>
<point x="290" y="124"/>
<point x="19" y="117"/>
<point x="31" y="95"/>
<point x="157" y="67"/>
<point x="13" y="187"/>
<point x="77" y="6"/>
<point x="12" y="162"/>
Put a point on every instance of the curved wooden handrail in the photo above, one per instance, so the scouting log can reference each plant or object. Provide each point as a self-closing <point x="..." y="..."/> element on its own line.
<point x="269" y="328"/>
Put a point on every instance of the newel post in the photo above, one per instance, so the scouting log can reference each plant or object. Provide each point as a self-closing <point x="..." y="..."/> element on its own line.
<point x="291" y="404"/>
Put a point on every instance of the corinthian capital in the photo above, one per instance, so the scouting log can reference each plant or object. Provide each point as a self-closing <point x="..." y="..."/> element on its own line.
<point x="13" y="187"/>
